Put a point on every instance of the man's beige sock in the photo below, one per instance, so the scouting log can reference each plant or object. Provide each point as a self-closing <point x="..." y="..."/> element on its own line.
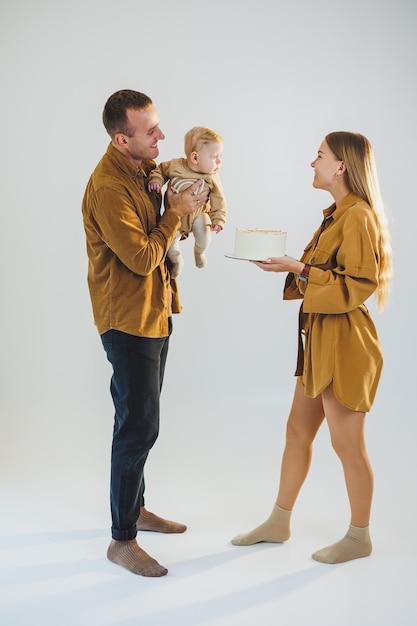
<point x="150" y="521"/>
<point x="276" y="529"/>
<point x="354" y="545"/>
<point x="129" y="555"/>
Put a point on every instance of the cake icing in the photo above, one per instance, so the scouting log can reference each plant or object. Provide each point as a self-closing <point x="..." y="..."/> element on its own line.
<point x="258" y="244"/>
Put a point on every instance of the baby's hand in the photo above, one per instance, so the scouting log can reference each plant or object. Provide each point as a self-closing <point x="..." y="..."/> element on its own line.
<point x="216" y="228"/>
<point x="154" y="187"/>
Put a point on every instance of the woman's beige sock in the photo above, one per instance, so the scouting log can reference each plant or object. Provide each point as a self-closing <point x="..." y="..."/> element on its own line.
<point x="129" y="555"/>
<point x="354" y="545"/>
<point x="276" y="529"/>
<point x="150" y="521"/>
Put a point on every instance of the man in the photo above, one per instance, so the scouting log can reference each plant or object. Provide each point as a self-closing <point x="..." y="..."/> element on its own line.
<point x="133" y="298"/>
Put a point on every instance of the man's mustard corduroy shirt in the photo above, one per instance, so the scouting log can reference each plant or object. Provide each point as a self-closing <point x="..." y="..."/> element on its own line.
<point x="127" y="240"/>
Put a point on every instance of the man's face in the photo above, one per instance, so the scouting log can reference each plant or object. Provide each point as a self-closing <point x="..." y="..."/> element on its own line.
<point x="144" y="143"/>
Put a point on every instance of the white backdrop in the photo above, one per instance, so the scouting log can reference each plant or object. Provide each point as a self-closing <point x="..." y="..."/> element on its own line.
<point x="272" y="78"/>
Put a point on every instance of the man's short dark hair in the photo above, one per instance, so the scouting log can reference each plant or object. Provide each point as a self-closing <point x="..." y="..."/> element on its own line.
<point x="114" y="113"/>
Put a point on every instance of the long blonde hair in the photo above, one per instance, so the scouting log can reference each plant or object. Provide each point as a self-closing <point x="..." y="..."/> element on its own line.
<point x="361" y="177"/>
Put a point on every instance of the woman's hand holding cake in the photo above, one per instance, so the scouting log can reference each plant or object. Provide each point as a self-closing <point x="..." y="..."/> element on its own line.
<point x="280" y="264"/>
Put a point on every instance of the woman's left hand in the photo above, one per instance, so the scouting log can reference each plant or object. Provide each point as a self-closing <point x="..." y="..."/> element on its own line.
<point x="280" y="264"/>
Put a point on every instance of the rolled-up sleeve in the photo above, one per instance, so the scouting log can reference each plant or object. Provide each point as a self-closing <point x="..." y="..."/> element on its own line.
<point x="341" y="280"/>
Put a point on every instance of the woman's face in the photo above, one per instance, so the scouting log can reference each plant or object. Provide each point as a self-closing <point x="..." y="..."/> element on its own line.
<point x="326" y="167"/>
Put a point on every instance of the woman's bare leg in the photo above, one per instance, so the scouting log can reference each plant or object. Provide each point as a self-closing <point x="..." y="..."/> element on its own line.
<point x="347" y="432"/>
<point x="348" y="439"/>
<point x="305" y="417"/>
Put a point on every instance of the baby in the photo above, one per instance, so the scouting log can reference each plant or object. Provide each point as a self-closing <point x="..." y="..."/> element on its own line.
<point x="203" y="151"/>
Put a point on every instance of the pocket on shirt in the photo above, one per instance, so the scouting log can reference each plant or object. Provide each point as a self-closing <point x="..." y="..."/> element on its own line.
<point x="319" y="257"/>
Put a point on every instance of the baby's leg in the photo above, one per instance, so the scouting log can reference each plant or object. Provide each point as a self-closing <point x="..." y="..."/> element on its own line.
<point x="175" y="256"/>
<point x="202" y="236"/>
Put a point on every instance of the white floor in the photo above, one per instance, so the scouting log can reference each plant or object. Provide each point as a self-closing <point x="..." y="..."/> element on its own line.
<point x="54" y="533"/>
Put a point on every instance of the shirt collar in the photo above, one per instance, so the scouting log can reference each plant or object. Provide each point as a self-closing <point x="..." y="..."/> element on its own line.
<point x="337" y="212"/>
<point x="124" y="164"/>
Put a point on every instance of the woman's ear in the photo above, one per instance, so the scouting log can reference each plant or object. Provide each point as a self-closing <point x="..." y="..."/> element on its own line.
<point x="340" y="171"/>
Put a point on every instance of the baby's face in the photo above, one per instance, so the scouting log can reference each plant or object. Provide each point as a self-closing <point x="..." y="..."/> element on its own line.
<point x="209" y="158"/>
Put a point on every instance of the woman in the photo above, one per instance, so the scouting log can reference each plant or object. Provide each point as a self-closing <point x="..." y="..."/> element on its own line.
<point x="339" y="355"/>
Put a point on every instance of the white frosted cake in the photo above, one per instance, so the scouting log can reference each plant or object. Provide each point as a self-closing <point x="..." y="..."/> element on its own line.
<point x="257" y="244"/>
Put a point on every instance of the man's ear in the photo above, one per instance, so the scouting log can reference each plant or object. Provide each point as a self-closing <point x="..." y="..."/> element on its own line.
<point x="120" y="140"/>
